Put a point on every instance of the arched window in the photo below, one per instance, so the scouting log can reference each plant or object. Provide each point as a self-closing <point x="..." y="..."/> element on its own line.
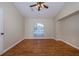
<point x="38" y="30"/>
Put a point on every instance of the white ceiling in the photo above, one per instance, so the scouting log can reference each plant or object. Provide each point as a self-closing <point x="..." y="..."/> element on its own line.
<point x="28" y="12"/>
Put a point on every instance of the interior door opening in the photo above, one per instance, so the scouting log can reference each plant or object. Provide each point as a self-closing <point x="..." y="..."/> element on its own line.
<point x="1" y="30"/>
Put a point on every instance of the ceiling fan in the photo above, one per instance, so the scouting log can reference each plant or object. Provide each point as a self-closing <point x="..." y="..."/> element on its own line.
<point x="39" y="5"/>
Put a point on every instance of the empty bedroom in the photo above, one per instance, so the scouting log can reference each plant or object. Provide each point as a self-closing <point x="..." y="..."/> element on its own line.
<point x="39" y="28"/>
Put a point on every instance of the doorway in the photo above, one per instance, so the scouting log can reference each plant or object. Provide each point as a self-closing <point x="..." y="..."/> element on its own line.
<point x="1" y="30"/>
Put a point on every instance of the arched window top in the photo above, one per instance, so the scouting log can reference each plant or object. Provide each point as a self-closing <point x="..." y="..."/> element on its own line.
<point x="39" y="24"/>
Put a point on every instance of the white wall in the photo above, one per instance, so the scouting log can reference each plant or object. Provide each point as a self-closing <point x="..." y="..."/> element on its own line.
<point x="14" y="25"/>
<point x="68" y="8"/>
<point x="48" y="23"/>
<point x="69" y="30"/>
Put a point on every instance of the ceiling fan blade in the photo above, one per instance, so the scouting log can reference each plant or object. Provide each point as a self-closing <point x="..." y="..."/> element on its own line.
<point x="38" y="8"/>
<point x="46" y="6"/>
<point x="33" y="5"/>
<point x="40" y="2"/>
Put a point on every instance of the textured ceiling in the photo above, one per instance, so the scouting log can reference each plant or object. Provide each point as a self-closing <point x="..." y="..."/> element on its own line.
<point x="52" y="11"/>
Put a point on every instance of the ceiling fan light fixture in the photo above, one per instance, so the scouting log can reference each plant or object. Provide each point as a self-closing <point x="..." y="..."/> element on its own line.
<point x="42" y="5"/>
<point x="39" y="6"/>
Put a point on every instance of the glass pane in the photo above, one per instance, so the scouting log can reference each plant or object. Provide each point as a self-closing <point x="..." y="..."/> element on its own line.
<point x="38" y="30"/>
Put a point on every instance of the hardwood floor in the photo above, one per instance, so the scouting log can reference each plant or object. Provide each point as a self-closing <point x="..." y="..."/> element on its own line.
<point x="42" y="47"/>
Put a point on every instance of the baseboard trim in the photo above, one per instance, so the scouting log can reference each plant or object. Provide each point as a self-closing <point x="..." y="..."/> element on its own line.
<point x="68" y="43"/>
<point x="39" y="38"/>
<point x="11" y="47"/>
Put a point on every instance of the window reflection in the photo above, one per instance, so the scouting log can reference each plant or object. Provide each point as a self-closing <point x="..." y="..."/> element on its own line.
<point x="38" y="30"/>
